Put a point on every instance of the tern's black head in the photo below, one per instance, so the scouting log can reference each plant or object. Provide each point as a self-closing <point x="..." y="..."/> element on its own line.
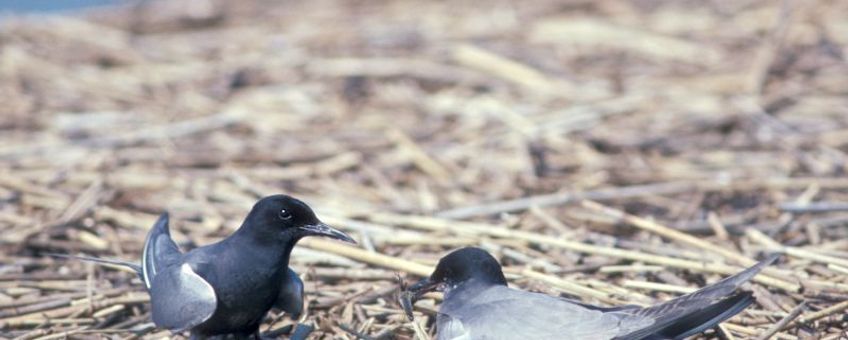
<point x="466" y="264"/>
<point x="459" y="267"/>
<point x="287" y="218"/>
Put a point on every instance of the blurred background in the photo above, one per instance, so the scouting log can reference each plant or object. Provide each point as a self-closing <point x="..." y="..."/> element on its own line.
<point x="419" y="127"/>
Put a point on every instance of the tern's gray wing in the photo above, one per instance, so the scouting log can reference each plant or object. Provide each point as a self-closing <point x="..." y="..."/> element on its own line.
<point x="159" y="251"/>
<point x="499" y="312"/>
<point x="701" y="310"/>
<point x="290" y="299"/>
<point x="180" y="299"/>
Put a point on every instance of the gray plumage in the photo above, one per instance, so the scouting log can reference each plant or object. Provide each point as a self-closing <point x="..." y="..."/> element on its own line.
<point x="180" y="299"/>
<point x="478" y="305"/>
<point x="475" y="311"/>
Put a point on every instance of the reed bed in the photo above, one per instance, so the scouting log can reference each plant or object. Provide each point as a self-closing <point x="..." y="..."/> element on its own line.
<point x="610" y="151"/>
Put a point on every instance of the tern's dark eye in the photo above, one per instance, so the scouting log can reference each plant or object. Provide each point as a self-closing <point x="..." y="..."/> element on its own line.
<point x="285" y="215"/>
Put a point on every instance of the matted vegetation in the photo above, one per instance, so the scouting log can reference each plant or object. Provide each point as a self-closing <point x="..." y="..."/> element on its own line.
<point x="612" y="151"/>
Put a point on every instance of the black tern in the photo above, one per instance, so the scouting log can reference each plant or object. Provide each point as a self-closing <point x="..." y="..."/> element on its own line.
<point x="227" y="288"/>
<point x="479" y="305"/>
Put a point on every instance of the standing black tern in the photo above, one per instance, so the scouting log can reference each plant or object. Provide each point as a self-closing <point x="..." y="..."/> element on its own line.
<point x="226" y="288"/>
<point x="479" y="305"/>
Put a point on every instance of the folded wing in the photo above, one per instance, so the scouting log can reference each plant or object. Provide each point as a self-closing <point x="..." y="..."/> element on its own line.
<point x="693" y="313"/>
<point x="180" y="299"/>
<point x="504" y="313"/>
<point x="290" y="299"/>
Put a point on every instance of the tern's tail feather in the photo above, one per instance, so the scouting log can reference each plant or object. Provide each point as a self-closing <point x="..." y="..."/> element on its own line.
<point x="706" y="318"/>
<point x="693" y="313"/>
<point x="135" y="267"/>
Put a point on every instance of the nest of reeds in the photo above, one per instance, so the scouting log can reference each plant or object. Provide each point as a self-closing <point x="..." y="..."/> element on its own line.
<point x="609" y="151"/>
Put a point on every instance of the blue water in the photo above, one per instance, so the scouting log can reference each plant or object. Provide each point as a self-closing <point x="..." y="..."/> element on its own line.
<point x="50" y="6"/>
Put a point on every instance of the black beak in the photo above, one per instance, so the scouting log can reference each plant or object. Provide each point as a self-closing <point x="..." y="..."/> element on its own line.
<point x="321" y="229"/>
<point x="415" y="292"/>
<point x="420" y="288"/>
